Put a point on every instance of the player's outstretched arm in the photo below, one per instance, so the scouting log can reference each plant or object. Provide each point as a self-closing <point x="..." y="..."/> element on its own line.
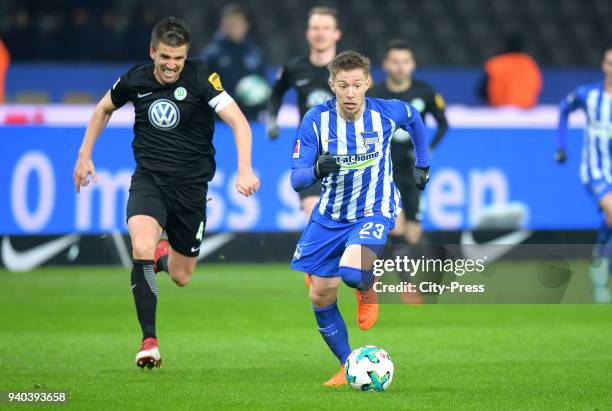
<point x="247" y="183"/>
<point x="84" y="165"/>
<point x="419" y="138"/>
<point x="307" y="166"/>
<point x="276" y="99"/>
<point x="440" y="116"/>
<point x="304" y="177"/>
<point x="567" y="105"/>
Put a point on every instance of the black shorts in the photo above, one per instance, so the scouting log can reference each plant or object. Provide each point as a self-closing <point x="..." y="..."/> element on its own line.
<point x="403" y="176"/>
<point x="313" y="191"/>
<point x="179" y="209"/>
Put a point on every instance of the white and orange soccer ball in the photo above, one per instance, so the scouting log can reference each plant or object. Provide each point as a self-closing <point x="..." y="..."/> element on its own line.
<point x="369" y="368"/>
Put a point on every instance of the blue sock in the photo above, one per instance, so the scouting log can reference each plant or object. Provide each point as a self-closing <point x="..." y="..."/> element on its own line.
<point x="356" y="278"/>
<point x="333" y="329"/>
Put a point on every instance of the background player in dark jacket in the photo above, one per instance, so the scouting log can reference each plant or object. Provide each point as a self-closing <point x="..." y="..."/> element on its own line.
<point x="233" y="55"/>
<point x="310" y="77"/>
<point x="399" y="66"/>
<point x="175" y="101"/>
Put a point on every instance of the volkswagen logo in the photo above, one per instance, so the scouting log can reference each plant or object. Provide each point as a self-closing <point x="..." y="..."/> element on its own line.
<point x="164" y="114"/>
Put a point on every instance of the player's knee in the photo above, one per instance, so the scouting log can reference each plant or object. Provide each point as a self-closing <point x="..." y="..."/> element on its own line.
<point x="182" y="279"/>
<point x="143" y="249"/>
<point x="322" y="297"/>
<point x="413" y="232"/>
<point x="181" y="275"/>
<point x="357" y="278"/>
<point x="181" y="270"/>
<point x="319" y="300"/>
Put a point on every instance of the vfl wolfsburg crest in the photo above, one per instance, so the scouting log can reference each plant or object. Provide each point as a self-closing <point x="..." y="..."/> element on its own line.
<point x="180" y="93"/>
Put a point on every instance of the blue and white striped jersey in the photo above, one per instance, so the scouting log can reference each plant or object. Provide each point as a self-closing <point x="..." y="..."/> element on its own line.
<point x="364" y="184"/>
<point x="596" y="148"/>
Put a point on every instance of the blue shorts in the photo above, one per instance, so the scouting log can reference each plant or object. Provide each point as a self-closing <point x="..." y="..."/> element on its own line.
<point x="324" y="240"/>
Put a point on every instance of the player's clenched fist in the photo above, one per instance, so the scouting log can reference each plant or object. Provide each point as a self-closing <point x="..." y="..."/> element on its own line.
<point x="421" y="177"/>
<point x="325" y="165"/>
<point x="83" y="168"/>
<point x="560" y="156"/>
<point x="247" y="184"/>
<point x="272" y="128"/>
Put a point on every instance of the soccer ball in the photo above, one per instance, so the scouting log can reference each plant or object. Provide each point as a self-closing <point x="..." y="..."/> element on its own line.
<point x="253" y="90"/>
<point x="369" y="368"/>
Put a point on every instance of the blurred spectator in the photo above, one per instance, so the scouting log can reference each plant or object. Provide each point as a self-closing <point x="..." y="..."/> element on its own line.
<point x="50" y="41"/>
<point x="139" y="33"/>
<point x="80" y="34"/>
<point x="512" y="77"/>
<point x="238" y="61"/>
<point x="108" y="41"/>
<point x="5" y="60"/>
<point x="21" y="37"/>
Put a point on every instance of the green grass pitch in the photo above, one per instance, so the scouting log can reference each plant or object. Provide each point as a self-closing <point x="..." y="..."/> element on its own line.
<point x="244" y="337"/>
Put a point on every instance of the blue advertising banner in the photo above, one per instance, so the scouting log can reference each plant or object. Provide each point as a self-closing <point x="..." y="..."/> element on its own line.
<point x="474" y="171"/>
<point x="457" y="85"/>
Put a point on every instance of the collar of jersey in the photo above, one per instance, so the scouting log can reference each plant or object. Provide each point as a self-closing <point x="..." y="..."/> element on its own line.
<point x="332" y="107"/>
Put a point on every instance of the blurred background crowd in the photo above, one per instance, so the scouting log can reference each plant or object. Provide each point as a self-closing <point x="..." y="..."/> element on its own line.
<point x="443" y="32"/>
<point x="453" y="43"/>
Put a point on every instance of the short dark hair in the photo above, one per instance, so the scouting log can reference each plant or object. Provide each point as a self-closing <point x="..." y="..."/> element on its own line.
<point x="171" y="31"/>
<point x="397" y="44"/>
<point x="325" y="11"/>
<point x="348" y="60"/>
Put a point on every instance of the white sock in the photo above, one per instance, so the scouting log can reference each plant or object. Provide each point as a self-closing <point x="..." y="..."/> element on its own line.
<point x="600" y="274"/>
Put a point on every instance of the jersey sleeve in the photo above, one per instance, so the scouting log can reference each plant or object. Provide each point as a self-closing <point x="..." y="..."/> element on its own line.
<point x="122" y="90"/>
<point x="571" y="102"/>
<point x="211" y="89"/>
<point x="408" y="118"/>
<point x="305" y="154"/>
<point x="436" y="107"/>
<point x="281" y="85"/>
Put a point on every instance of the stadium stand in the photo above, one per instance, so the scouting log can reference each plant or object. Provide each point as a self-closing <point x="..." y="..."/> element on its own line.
<point x="445" y="32"/>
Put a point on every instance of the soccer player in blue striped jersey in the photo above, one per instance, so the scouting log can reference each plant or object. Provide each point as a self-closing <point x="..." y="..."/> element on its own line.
<point x="596" y="166"/>
<point x="346" y="142"/>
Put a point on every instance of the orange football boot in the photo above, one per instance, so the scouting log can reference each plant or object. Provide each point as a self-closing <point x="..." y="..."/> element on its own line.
<point x="337" y="380"/>
<point x="367" y="308"/>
